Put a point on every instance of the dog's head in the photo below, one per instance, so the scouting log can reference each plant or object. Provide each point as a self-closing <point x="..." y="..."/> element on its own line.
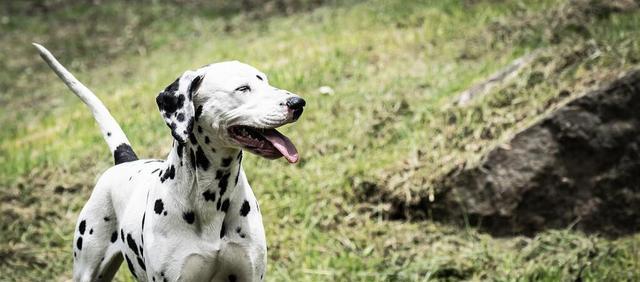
<point x="231" y="104"/>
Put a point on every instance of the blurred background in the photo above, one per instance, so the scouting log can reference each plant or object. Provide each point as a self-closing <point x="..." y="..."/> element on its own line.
<point x="453" y="140"/>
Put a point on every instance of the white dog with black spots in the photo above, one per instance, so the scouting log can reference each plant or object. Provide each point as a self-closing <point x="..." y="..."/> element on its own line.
<point x="193" y="216"/>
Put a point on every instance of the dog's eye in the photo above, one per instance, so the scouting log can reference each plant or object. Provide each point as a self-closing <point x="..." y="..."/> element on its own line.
<point x="243" y="88"/>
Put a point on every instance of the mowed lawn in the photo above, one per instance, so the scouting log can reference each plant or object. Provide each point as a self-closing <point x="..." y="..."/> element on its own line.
<point x="394" y="67"/>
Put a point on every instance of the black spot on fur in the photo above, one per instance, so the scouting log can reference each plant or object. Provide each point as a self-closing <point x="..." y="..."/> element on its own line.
<point x="195" y="85"/>
<point x="122" y="235"/>
<point x="226" y="162"/>
<point x="189" y="217"/>
<point x="132" y="244"/>
<point x="169" y="103"/>
<point x="192" y="157"/>
<point x="198" y="112"/>
<point x="222" y="230"/>
<point x="79" y="243"/>
<point x="109" y="134"/>
<point x="180" y="150"/>
<point x="114" y="236"/>
<point x="239" y="231"/>
<point x="219" y="203"/>
<point x="239" y="167"/>
<point x="154" y="171"/>
<point x="189" y="126"/>
<point x="124" y="153"/>
<point x="207" y="140"/>
<point x="158" y="206"/>
<point x="91" y="231"/>
<point x="141" y="263"/>
<point x="232" y="278"/>
<point x="170" y="173"/>
<point x="143" y="217"/>
<point x="106" y="218"/>
<point x="209" y="196"/>
<point x="173" y="87"/>
<point x="180" y="117"/>
<point x="245" y="208"/>
<point x="259" y="77"/>
<point x="199" y="129"/>
<point x="201" y="159"/>
<point x="223" y="183"/>
<point x="192" y="138"/>
<point x="225" y="205"/>
<point x="130" y="265"/>
<point x="82" y="226"/>
<point x="165" y="213"/>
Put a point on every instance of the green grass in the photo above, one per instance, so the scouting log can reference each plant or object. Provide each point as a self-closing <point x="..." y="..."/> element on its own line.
<point x="394" y="66"/>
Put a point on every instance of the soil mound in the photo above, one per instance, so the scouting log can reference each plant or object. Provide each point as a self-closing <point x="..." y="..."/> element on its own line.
<point x="578" y="167"/>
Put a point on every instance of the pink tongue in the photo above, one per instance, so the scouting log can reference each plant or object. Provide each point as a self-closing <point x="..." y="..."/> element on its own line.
<point x="283" y="144"/>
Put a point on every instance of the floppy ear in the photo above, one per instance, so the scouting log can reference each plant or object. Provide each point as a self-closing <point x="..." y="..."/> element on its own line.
<point x="176" y="104"/>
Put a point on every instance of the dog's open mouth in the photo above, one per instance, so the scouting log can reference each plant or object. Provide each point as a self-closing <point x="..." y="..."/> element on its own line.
<point x="265" y="142"/>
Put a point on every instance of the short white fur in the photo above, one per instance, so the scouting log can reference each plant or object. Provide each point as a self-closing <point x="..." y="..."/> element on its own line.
<point x="161" y="213"/>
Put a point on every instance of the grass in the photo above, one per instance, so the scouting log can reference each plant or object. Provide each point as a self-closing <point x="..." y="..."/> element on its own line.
<point x="394" y="67"/>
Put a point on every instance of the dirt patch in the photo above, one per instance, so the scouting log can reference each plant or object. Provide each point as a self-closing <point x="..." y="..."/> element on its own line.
<point x="579" y="167"/>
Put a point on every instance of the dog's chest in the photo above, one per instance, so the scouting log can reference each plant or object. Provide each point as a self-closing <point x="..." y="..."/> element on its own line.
<point x="170" y="233"/>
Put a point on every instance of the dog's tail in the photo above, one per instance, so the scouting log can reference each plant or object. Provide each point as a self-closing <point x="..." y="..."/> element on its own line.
<point x="111" y="131"/>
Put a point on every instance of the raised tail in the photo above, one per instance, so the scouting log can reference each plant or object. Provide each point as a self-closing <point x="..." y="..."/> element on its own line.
<point x="111" y="131"/>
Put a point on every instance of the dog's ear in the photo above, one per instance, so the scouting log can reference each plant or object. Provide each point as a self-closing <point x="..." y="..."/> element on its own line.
<point x="176" y="104"/>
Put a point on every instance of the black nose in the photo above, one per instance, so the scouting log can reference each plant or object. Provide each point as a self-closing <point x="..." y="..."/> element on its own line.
<point x="296" y="104"/>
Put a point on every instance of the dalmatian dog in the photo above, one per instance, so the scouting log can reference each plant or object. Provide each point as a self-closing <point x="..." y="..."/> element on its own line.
<point x="192" y="216"/>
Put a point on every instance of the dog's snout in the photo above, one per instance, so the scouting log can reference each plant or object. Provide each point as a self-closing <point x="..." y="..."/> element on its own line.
<point x="295" y="103"/>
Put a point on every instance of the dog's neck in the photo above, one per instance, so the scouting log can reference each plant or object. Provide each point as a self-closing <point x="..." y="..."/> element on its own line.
<point x="204" y="170"/>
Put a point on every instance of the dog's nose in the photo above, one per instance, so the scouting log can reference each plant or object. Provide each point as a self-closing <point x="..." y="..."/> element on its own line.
<point x="296" y="104"/>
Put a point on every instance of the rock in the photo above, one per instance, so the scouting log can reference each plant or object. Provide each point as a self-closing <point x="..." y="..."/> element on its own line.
<point x="325" y="90"/>
<point x="500" y="77"/>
